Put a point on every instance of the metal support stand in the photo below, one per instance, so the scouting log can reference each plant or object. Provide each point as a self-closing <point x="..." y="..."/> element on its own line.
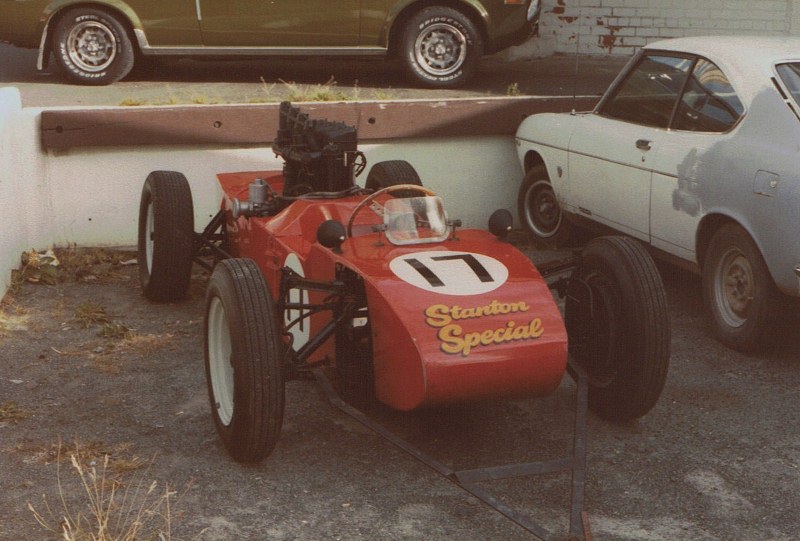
<point x="468" y="479"/>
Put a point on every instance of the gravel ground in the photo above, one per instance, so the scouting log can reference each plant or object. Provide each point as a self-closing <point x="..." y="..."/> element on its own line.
<point x="89" y="365"/>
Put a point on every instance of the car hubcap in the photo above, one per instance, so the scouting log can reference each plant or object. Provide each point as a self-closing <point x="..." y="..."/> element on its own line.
<point x="441" y="49"/>
<point x="91" y="46"/>
<point x="541" y="209"/>
<point x="735" y="287"/>
<point x="219" y="361"/>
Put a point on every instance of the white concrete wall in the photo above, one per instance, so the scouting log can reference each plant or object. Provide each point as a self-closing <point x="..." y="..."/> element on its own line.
<point x="90" y="197"/>
<point x="619" y="27"/>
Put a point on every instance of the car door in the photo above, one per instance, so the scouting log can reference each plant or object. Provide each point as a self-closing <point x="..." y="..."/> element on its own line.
<point x="696" y="161"/>
<point x="280" y="23"/>
<point x="612" y="150"/>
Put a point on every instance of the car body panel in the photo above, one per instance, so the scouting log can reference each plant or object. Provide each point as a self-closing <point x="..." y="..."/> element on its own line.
<point x="479" y="330"/>
<point x="218" y="27"/>
<point x="689" y="180"/>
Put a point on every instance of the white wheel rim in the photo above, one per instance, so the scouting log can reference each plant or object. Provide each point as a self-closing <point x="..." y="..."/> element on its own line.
<point x="91" y="46"/>
<point x="219" y="361"/>
<point x="734" y="287"/>
<point x="441" y="49"/>
<point x="149" y="227"/>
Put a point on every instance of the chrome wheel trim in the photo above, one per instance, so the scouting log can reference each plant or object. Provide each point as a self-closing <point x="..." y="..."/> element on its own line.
<point x="91" y="46"/>
<point x="441" y="49"/>
<point x="734" y="287"/>
<point x="542" y="212"/>
<point x="148" y="237"/>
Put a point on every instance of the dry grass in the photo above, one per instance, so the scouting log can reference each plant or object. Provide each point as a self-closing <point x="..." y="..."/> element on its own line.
<point x="11" y="413"/>
<point x="118" y="510"/>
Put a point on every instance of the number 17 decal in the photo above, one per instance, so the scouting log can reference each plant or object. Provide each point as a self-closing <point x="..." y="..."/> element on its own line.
<point x="450" y="273"/>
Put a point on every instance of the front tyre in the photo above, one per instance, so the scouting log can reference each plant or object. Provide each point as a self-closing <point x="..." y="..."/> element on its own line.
<point x="738" y="289"/>
<point x="92" y="47"/>
<point x="539" y="210"/>
<point x="618" y="326"/>
<point x="243" y="360"/>
<point x="166" y="236"/>
<point x="441" y="47"/>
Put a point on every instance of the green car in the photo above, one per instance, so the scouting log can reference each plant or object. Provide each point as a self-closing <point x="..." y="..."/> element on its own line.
<point x="440" y="42"/>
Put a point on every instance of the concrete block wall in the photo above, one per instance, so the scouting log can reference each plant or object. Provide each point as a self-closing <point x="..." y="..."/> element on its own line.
<point x="620" y="27"/>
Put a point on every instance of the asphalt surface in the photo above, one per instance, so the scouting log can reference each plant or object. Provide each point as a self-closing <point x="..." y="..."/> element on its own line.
<point x="253" y="81"/>
<point x="718" y="458"/>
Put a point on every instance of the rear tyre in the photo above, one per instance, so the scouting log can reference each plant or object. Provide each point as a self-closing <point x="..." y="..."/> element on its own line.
<point x="738" y="290"/>
<point x="166" y="236"/>
<point x="618" y="326"/>
<point x="391" y="173"/>
<point x="92" y="47"/>
<point x="539" y="211"/>
<point x="441" y="47"/>
<point x="243" y="360"/>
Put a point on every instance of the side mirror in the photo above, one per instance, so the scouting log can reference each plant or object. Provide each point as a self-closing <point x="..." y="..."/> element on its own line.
<point x="500" y="223"/>
<point x="331" y="234"/>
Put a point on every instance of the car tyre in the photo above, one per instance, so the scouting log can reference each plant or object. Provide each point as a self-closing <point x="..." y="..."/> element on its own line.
<point x="441" y="47"/>
<point x="93" y="47"/>
<point x="166" y="236"/>
<point x="243" y="360"/>
<point x="738" y="290"/>
<point x="539" y="211"/>
<point x="618" y="326"/>
<point x="391" y="173"/>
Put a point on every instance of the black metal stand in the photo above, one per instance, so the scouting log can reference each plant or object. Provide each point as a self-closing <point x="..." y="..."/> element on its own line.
<point x="468" y="479"/>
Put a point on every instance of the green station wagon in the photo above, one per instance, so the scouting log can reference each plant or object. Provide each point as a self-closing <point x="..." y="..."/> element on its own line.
<point x="440" y="42"/>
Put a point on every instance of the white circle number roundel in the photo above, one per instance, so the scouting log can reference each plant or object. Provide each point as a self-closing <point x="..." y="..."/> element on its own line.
<point x="450" y="273"/>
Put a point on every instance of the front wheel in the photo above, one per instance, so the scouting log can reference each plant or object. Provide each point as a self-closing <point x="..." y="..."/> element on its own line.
<point x="92" y="47"/>
<point x="618" y="326"/>
<point x="539" y="210"/>
<point x="738" y="289"/>
<point x="243" y="360"/>
<point x="441" y="47"/>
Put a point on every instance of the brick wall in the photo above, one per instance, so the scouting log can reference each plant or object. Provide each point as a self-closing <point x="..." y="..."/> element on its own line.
<point x="619" y="27"/>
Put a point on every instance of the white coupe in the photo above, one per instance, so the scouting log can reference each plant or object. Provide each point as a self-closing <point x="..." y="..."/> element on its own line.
<point x="695" y="150"/>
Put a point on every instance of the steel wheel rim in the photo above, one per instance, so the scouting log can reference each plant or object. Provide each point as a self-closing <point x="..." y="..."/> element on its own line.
<point x="91" y="46"/>
<point x="542" y="212"/>
<point x="219" y="361"/>
<point x="148" y="237"/>
<point x="441" y="49"/>
<point x="734" y="287"/>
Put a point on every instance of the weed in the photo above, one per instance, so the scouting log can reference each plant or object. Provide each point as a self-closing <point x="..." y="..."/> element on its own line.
<point x="118" y="511"/>
<point x="11" y="413"/>
<point x="89" y="313"/>
<point x="115" y="331"/>
<point x="513" y="90"/>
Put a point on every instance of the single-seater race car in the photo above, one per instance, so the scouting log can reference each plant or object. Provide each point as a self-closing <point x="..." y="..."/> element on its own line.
<point x="381" y="286"/>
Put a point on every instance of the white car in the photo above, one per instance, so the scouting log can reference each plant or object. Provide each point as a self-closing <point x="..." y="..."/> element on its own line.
<point x="695" y="150"/>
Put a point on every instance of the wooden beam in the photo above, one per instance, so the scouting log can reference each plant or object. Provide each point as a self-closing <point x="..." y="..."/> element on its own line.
<point x="257" y="124"/>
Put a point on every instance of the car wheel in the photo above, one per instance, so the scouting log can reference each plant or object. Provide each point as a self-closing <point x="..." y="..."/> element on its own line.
<point x="441" y="47"/>
<point x="391" y="173"/>
<point x="618" y="327"/>
<point x="243" y="360"/>
<point x="166" y="236"/>
<point x="738" y="289"/>
<point x="93" y="47"/>
<point x="539" y="211"/>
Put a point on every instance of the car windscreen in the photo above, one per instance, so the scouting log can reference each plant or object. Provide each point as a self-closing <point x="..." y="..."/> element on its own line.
<point x="790" y="76"/>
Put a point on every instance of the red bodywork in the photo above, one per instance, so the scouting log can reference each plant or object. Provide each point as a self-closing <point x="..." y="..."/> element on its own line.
<point x="488" y="336"/>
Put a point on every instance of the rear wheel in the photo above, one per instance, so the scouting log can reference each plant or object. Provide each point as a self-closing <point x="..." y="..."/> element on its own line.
<point x="391" y="173"/>
<point x="243" y="360"/>
<point x="441" y="47"/>
<point x="166" y="236"/>
<point x="618" y="325"/>
<point x="92" y="47"/>
<point x="738" y="289"/>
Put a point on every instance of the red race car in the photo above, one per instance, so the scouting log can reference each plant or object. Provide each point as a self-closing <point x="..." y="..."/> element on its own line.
<point x="380" y="285"/>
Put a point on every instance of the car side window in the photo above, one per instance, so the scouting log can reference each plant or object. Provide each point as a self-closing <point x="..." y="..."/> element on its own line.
<point x="650" y="91"/>
<point x="709" y="103"/>
<point x="790" y="75"/>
